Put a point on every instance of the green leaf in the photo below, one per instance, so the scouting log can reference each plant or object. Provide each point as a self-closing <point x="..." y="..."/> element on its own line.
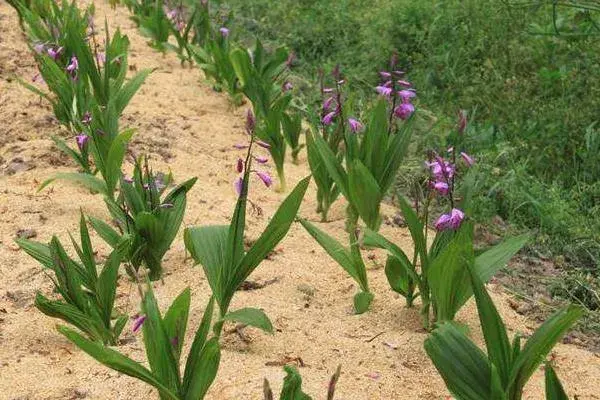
<point x="490" y="261"/>
<point x="205" y="371"/>
<point x="362" y="301"/>
<point x="158" y="345"/>
<point x="415" y="226"/>
<point x="39" y="251"/>
<point x="554" y="389"/>
<point x="271" y="236"/>
<point x="207" y="245"/>
<point x="114" y="160"/>
<point x="117" y="361"/>
<point x="129" y="89"/>
<point x="395" y="272"/>
<point x="193" y="365"/>
<point x="89" y="181"/>
<point x="539" y="345"/>
<point x="365" y="194"/>
<point x="372" y="238"/>
<point x="175" y="321"/>
<point x="250" y="316"/>
<point x="106" y="232"/>
<point x="107" y="285"/>
<point x="332" y="164"/>
<point x="334" y="248"/>
<point x="494" y="332"/>
<point x="463" y="366"/>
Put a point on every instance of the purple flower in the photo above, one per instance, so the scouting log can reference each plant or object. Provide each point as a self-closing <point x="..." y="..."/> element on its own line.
<point x="224" y="32"/>
<point x="384" y="91"/>
<point x="398" y="73"/>
<point x="328" y="118"/>
<point x="453" y="220"/>
<point x="441" y="187"/>
<point x="238" y="184"/>
<point x="82" y="140"/>
<point x="172" y="14"/>
<point x="87" y="118"/>
<point x="467" y="158"/>
<point x="287" y="86"/>
<point x="406" y="95"/>
<point x="327" y="90"/>
<point x="404" y="83"/>
<point x="262" y="144"/>
<point x="327" y="104"/>
<point x="441" y="170"/>
<point x="261" y="160"/>
<point x="240" y="146"/>
<point x="265" y="177"/>
<point x="456" y="218"/>
<point x="127" y="179"/>
<point x="240" y="165"/>
<point x="404" y="110"/>
<point x="74" y="65"/>
<point x="250" y="122"/>
<point x="138" y="322"/>
<point x="385" y="75"/>
<point x="355" y="125"/>
<point x="54" y="54"/>
<point x="39" y="48"/>
<point x="443" y="222"/>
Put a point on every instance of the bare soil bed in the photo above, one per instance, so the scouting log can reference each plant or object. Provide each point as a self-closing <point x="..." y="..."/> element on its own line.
<point x="187" y="127"/>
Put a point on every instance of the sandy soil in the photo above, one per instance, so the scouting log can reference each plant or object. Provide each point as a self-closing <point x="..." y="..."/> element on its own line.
<point x="188" y="128"/>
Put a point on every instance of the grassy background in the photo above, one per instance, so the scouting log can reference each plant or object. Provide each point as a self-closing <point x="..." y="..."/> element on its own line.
<point x="529" y="81"/>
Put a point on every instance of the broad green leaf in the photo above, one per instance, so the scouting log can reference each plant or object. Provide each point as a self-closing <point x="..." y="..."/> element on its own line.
<point x="540" y="344"/>
<point x="207" y="245"/>
<point x="114" y="160"/>
<point x="334" y="248"/>
<point x="251" y="316"/>
<point x="158" y="345"/>
<point x="117" y="361"/>
<point x="175" y="321"/>
<point x="554" y="389"/>
<point x="89" y="181"/>
<point x="129" y="89"/>
<point x="193" y="364"/>
<point x="271" y="236"/>
<point x="463" y="366"/>
<point x="494" y="331"/>
<point x="372" y="238"/>
<point x="107" y="285"/>
<point x="332" y="164"/>
<point x="38" y="251"/>
<point x="205" y="371"/>
<point x="415" y="226"/>
<point x="365" y="194"/>
<point x="106" y="232"/>
<point x="395" y="272"/>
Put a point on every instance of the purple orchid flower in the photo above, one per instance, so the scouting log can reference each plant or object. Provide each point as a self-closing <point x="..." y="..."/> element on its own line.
<point x="327" y="104"/>
<point x="261" y="160"/>
<point x="328" y="118"/>
<point x="287" y="86"/>
<point x="74" y="65"/>
<point x="54" y="54"/>
<point x="265" y="177"/>
<point x="87" y="118"/>
<point x="138" y="322"/>
<point x="262" y="144"/>
<point x="467" y="158"/>
<point x="39" y="48"/>
<point x="406" y="95"/>
<point x="385" y="75"/>
<point x="238" y="184"/>
<point x="82" y="140"/>
<point x="250" y="122"/>
<point x="224" y="32"/>
<point x="384" y="90"/>
<point x="404" y="110"/>
<point x="441" y="187"/>
<point x="240" y="146"/>
<point x="355" y="125"/>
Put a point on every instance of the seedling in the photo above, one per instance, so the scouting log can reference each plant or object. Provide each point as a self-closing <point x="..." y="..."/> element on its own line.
<point x="86" y="297"/>
<point x="292" y="386"/>
<point x="147" y="221"/>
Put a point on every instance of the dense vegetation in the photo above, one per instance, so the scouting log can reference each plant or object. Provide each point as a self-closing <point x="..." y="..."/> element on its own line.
<point x="526" y="74"/>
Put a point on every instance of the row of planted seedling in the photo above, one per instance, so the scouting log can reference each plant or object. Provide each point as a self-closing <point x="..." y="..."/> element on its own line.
<point x="87" y="87"/>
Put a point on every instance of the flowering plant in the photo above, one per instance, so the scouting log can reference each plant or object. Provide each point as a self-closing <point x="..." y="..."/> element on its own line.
<point x="163" y="341"/>
<point x="438" y="271"/>
<point x="501" y="374"/>
<point x="86" y="297"/>
<point x="88" y="89"/>
<point x="220" y="248"/>
<point x="261" y="79"/>
<point x="147" y="221"/>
